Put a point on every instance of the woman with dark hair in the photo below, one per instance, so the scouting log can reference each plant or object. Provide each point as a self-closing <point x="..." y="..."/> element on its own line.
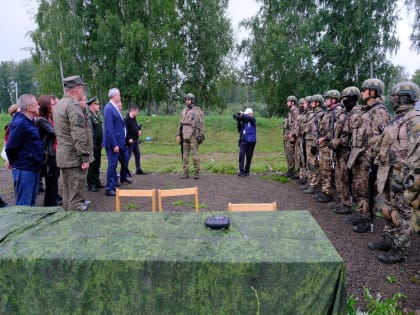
<point x="49" y="169"/>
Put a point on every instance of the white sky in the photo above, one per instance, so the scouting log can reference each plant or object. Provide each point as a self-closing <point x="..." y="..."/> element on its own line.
<point x="17" y="21"/>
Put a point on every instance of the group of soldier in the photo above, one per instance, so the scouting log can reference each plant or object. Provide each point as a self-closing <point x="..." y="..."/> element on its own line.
<point x="348" y="148"/>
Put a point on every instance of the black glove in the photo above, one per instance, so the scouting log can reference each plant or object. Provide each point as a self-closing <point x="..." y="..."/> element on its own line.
<point x="313" y="150"/>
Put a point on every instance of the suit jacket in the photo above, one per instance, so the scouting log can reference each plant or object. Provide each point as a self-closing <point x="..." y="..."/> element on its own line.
<point x="114" y="128"/>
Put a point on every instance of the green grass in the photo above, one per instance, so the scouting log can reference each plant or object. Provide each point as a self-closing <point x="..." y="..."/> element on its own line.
<point x="218" y="153"/>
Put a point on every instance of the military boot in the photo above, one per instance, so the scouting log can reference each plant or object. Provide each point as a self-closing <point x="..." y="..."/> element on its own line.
<point x="344" y="209"/>
<point x="302" y="181"/>
<point x="309" y="190"/>
<point x="304" y="187"/>
<point x="354" y="219"/>
<point x="186" y="175"/>
<point x="197" y="175"/>
<point x="324" y="198"/>
<point x="385" y="244"/>
<point x="394" y="255"/>
<point x="363" y="226"/>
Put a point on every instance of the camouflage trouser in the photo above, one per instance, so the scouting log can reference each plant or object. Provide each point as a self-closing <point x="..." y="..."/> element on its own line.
<point x="300" y="159"/>
<point x="398" y="215"/>
<point x="342" y="180"/>
<point x="312" y="165"/>
<point x="187" y="146"/>
<point x="360" y="183"/>
<point x="326" y="171"/>
<point x="290" y="155"/>
<point x="74" y="192"/>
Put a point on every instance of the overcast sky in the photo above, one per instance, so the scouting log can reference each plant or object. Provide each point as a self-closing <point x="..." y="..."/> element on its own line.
<point x="16" y="22"/>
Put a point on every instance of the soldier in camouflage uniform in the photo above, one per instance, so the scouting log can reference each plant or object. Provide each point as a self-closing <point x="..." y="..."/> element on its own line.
<point x="74" y="143"/>
<point x="93" y="180"/>
<point x="327" y="155"/>
<point x="290" y="136"/>
<point x="311" y="129"/>
<point x="300" y="142"/>
<point x="399" y="140"/>
<point x="191" y="131"/>
<point x="366" y="134"/>
<point x="342" y="147"/>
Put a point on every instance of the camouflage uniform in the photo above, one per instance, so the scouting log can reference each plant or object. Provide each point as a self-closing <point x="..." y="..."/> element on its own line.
<point x="94" y="167"/>
<point x="327" y="155"/>
<point x="74" y="147"/>
<point x="399" y="139"/>
<point x="300" y="142"/>
<point x="310" y="135"/>
<point x="192" y="123"/>
<point x="342" y="147"/>
<point x="290" y="137"/>
<point x="366" y="134"/>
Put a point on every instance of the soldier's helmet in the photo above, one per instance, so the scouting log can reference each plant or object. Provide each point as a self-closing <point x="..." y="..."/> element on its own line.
<point x="374" y="84"/>
<point x="308" y="99"/>
<point x="351" y="91"/>
<point x="301" y="100"/>
<point x="333" y="94"/>
<point x="317" y="98"/>
<point x="407" y="88"/>
<point x="190" y="96"/>
<point x="292" y="98"/>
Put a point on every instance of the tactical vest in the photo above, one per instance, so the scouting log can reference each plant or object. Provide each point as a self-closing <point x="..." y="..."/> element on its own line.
<point x="395" y="141"/>
<point x="191" y="121"/>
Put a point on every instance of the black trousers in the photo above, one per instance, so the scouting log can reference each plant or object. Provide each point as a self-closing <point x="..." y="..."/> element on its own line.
<point x="51" y="173"/>
<point x="94" y="167"/>
<point x="246" y="151"/>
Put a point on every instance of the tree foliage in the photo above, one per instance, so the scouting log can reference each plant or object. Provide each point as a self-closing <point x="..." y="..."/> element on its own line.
<point x="307" y="47"/>
<point x="153" y="50"/>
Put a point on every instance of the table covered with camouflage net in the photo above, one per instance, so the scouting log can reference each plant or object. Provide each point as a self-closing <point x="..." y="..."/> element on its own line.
<point x="57" y="262"/>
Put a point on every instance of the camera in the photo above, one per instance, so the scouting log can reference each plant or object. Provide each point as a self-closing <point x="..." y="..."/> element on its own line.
<point x="237" y="116"/>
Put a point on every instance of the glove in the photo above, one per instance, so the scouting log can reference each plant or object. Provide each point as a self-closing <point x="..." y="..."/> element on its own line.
<point x="200" y="138"/>
<point x="313" y="150"/>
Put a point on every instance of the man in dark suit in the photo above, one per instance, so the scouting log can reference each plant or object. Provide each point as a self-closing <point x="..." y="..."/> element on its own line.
<point x="114" y="142"/>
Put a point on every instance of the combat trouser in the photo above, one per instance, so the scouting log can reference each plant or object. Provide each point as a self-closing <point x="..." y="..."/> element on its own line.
<point x="74" y="192"/>
<point x="187" y="146"/>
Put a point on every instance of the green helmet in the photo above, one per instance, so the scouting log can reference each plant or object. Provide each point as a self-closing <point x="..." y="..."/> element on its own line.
<point x="190" y="96"/>
<point x="407" y="88"/>
<point x="317" y="98"/>
<point x="374" y="84"/>
<point x="333" y="94"/>
<point x="351" y="91"/>
<point x="308" y="99"/>
<point x="301" y="100"/>
<point x="292" y="98"/>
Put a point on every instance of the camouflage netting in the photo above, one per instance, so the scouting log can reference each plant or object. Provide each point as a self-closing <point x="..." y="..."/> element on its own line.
<point x="56" y="262"/>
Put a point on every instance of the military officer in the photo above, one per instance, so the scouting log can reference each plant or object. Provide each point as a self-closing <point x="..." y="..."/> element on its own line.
<point x="290" y="136"/>
<point x="74" y="143"/>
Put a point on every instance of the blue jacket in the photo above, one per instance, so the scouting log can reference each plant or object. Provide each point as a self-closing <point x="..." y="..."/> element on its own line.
<point x="247" y="127"/>
<point x="114" y="128"/>
<point x="24" y="146"/>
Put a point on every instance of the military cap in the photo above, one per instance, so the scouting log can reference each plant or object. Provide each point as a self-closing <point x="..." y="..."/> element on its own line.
<point x="73" y="81"/>
<point x="93" y="100"/>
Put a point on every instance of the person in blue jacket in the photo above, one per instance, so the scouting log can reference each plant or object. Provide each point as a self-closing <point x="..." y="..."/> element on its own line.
<point x="24" y="151"/>
<point x="247" y="128"/>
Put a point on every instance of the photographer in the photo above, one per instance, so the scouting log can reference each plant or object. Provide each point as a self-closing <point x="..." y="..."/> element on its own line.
<point x="247" y="128"/>
<point x="132" y="139"/>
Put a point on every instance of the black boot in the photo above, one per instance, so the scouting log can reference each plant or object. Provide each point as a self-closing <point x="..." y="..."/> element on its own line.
<point x="362" y="227"/>
<point x="3" y="203"/>
<point x="354" y="219"/>
<point x="304" y="187"/>
<point x="385" y="244"/>
<point x="310" y="190"/>
<point x="324" y="198"/>
<point x="344" y="209"/>
<point x="394" y="255"/>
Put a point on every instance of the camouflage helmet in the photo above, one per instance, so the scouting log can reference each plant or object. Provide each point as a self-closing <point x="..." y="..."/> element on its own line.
<point x="301" y="101"/>
<point x="292" y="98"/>
<point x="333" y="94"/>
<point x="308" y="98"/>
<point x="351" y="91"/>
<point x="374" y="84"/>
<point x="190" y="96"/>
<point x="406" y="88"/>
<point x="317" y="98"/>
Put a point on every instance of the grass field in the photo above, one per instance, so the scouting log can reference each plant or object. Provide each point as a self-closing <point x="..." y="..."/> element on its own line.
<point x="218" y="153"/>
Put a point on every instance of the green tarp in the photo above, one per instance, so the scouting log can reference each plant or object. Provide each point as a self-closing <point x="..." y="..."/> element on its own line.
<point x="57" y="262"/>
